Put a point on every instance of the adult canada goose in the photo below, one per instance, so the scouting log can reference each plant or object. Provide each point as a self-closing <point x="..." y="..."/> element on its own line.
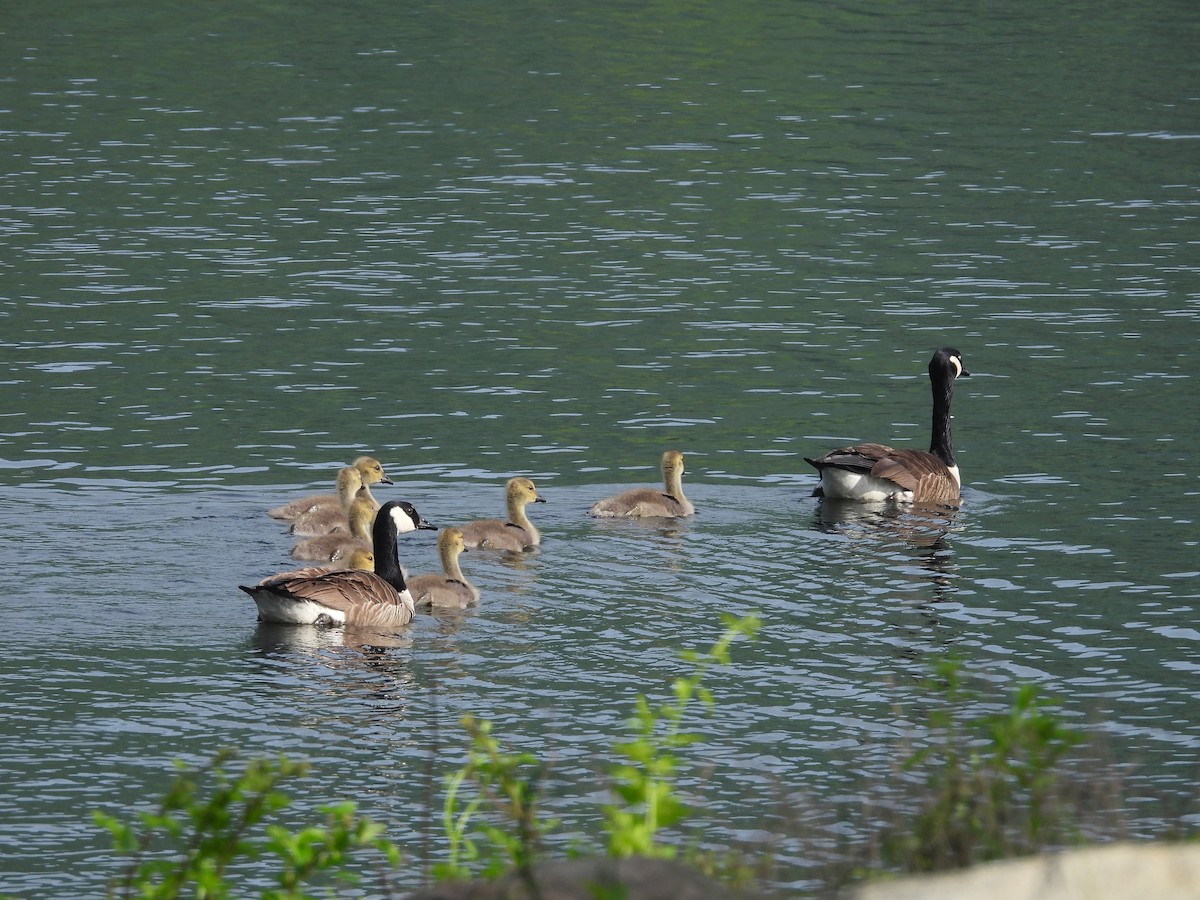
<point x="518" y="533"/>
<point x="370" y="472"/>
<point x="350" y="597"/>
<point x="651" y="502"/>
<point x="447" y="589"/>
<point x="878" y="472"/>
<point x="337" y="545"/>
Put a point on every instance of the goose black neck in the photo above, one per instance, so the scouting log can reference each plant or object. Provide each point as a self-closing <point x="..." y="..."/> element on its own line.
<point x="941" y="444"/>
<point x="383" y="541"/>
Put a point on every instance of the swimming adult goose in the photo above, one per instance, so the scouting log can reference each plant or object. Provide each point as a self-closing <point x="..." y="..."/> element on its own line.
<point x="518" y="533"/>
<point x="877" y="472"/>
<point x="337" y="545"/>
<point x="370" y="472"/>
<point x="447" y="589"/>
<point x="651" y="502"/>
<point x="349" y="597"/>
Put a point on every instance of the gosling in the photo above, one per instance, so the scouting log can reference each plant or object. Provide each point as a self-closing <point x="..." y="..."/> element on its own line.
<point x="370" y="472"/>
<point x="447" y="589"/>
<point x="337" y="545"/>
<point x="649" y="502"/>
<point x="518" y="533"/>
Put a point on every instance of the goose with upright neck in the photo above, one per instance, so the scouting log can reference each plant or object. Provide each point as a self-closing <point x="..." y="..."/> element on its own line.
<point x="875" y="472"/>
<point x="448" y="589"/>
<point x="649" y="502"/>
<point x="335" y="517"/>
<point x="337" y="545"/>
<point x="369" y="471"/>
<point x="517" y="533"/>
<point x="349" y="597"/>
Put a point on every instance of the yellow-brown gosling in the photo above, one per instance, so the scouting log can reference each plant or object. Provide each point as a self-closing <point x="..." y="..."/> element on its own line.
<point x="326" y="517"/>
<point x="370" y="471"/>
<point x="651" y="502"/>
<point x="518" y="533"/>
<point x="447" y="589"/>
<point x="337" y="545"/>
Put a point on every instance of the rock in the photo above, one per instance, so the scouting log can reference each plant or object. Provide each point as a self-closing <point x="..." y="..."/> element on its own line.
<point x="1107" y="872"/>
<point x="636" y="878"/>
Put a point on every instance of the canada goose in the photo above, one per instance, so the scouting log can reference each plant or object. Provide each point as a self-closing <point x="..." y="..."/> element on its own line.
<point x="878" y="472"/>
<point x="337" y="545"/>
<point x="650" y="502"/>
<point x="518" y="533"/>
<point x="447" y="589"/>
<point x="352" y="597"/>
<point x="370" y="471"/>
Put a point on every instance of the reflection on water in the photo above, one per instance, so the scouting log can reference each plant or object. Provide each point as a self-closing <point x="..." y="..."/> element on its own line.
<point x="449" y="621"/>
<point x="273" y="639"/>
<point x="913" y="541"/>
<point x="915" y="524"/>
<point x="540" y="255"/>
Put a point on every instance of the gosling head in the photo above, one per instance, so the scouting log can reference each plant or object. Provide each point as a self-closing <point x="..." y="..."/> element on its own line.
<point x="371" y="470"/>
<point x="451" y="541"/>
<point x="523" y="491"/>
<point x="361" y="559"/>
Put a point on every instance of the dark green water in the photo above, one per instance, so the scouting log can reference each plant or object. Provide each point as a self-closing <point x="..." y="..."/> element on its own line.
<point x="240" y="245"/>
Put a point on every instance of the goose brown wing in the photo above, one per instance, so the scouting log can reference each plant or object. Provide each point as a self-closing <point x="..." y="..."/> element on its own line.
<point x="344" y="590"/>
<point x="857" y="458"/>
<point x="306" y="572"/>
<point x="918" y="471"/>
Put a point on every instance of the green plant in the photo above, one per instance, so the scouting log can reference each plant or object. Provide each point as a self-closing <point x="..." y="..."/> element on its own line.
<point x="461" y="850"/>
<point x="509" y="783"/>
<point x="991" y="780"/>
<point x="644" y="783"/>
<point x="316" y="849"/>
<point x="187" y="845"/>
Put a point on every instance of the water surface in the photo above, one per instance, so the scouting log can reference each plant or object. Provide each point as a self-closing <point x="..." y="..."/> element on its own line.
<point x="243" y="245"/>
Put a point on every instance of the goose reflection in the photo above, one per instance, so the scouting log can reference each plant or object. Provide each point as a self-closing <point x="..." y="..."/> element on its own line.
<point x="275" y="640"/>
<point x="671" y="530"/>
<point x="920" y="532"/>
<point x="918" y="525"/>
<point x="368" y="676"/>
<point x="449" y="621"/>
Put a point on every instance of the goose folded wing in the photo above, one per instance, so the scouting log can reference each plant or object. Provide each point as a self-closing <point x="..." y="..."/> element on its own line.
<point x="858" y="458"/>
<point x="917" y="471"/>
<point x="306" y="572"/>
<point x="343" y="590"/>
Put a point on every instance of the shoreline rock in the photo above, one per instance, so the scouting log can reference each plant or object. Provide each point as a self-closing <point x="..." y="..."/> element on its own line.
<point x="1153" y="871"/>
